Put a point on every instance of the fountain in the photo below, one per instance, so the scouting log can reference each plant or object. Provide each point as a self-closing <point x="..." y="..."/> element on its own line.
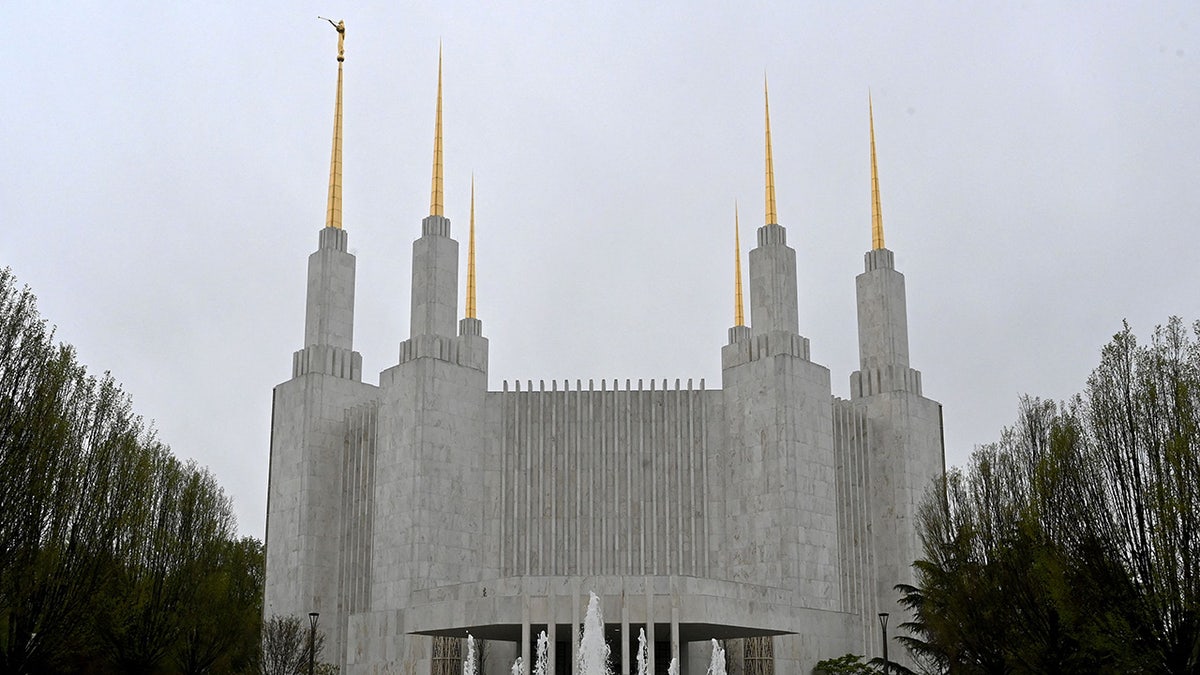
<point x="593" y="650"/>
<point x="469" y="666"/>
<point x="543" y="652"/>
<point x="717" y="665"/>
<point x="642" y="666"/>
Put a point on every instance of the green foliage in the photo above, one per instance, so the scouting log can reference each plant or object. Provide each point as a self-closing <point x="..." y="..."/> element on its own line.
<point x="849" y="664"/>
<point x="1072" y="544"/>
<point x="114" y="555"/>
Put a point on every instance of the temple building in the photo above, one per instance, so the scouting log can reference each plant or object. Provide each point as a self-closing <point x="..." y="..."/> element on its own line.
<point x="761" y="511"/>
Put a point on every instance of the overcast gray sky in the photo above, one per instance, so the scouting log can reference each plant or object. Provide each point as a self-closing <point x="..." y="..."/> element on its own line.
<point x="164" y="167"/>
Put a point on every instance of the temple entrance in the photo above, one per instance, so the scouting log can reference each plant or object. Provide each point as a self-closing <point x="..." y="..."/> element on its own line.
<point x="499" y="645"/>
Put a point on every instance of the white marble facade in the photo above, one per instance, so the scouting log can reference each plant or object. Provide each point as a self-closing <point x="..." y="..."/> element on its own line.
<point x="429" y="505"/>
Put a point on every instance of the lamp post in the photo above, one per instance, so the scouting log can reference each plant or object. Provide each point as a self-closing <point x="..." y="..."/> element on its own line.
<point x="312" y="641"/>
<point x="887" y="665"/>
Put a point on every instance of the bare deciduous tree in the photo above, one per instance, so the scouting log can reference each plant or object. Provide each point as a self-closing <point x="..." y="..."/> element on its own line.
<point x="285" y="642"/>
<point x="114" y="555"/>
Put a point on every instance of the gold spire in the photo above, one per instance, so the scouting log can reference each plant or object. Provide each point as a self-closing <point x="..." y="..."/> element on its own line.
<point x="436" y="206"/>
<point x="876" y="212"/>
<point x="471" y="258"/>
<point x="772" y="217"/>
<point x="739" y="317"/>
<point x="333" y="213"/>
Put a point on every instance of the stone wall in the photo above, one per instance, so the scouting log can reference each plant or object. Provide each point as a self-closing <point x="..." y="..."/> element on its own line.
<point x="605" y="480"/>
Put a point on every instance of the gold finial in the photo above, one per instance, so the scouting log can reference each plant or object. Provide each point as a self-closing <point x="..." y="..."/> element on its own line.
<point x="876" y="212"/>
<point x="471" y="258"/>
<point x="739" y="316"/>
<point x="340" y="27"/>
<point x="772" y="217"/>
<point x="436" y="207"/>
<point x="333" y="213"/>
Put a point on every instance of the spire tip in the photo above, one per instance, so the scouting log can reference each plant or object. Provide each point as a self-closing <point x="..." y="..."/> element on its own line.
<point x="739" y="316"/>
<point x="771" y="216"/>
<point x="876" y="211"/>
<point x="436" y="192"/>
<point x="471" y="313"/>
<point x="333" y="211"/>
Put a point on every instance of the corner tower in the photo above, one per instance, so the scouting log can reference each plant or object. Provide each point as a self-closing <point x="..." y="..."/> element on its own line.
<point x="304" y="505"/>
<point x="329" y="310"/>
<point x="905" y="452"/>
<point x="882" y="310"/>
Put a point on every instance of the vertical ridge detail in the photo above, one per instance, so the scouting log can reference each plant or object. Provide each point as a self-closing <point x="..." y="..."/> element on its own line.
<point x="602" y="480"/>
